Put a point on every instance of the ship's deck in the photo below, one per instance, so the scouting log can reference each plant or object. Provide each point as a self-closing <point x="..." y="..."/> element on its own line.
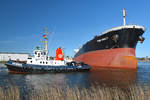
<point x="124" y="27"/>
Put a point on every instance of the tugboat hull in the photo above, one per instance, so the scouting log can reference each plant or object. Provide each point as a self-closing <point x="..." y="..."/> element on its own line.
<point x="20" y="68"/>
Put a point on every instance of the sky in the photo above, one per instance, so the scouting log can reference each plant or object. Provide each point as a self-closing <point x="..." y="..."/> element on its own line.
<point x="71" y="23"/>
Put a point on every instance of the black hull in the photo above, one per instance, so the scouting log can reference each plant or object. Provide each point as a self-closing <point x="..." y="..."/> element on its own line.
<point x="121" y="38"/>
<point x="15" y="67"/>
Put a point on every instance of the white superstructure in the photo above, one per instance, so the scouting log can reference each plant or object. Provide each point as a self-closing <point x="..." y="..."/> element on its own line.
<point x="41" y="56"/>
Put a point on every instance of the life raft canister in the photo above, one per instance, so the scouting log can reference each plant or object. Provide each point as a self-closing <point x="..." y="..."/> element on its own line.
<point x="59" y="54"/>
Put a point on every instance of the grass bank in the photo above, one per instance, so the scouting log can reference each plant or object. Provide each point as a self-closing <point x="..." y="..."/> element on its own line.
<point x="136" y="92"/>
<point x="3" y="62"/>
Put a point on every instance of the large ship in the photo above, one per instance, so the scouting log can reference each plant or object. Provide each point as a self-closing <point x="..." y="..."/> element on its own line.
<point x="115" y="48"/>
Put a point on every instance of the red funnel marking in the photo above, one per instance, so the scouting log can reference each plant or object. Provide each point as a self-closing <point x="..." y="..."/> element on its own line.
<point x="59" y="54"/>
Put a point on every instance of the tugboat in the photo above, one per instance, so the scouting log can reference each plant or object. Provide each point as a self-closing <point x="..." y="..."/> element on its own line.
<point x="42" y="63"/>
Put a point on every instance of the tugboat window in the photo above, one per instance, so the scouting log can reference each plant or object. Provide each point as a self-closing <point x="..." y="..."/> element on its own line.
<point x="35" y="52"/>
<point x="38" y="54"/>
<point x="31" y="61"/>
<point x="43" y="62"/>
<point x="40" y="62"/>
<point x="46" y="63"/>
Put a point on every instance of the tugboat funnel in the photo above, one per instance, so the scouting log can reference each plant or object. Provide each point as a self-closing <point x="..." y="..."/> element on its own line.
<point x="59" y="54"/>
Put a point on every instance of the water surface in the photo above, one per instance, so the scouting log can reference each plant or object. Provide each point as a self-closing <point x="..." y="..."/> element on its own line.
<point x="112" y="77"/>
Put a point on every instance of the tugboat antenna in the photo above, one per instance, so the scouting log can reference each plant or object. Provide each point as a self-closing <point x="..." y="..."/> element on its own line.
<point x="45" y="40"/>
<point x="124" y="17"/>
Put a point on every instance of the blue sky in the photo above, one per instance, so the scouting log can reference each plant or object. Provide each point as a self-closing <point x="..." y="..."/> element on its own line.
<point x="73" y="22"/>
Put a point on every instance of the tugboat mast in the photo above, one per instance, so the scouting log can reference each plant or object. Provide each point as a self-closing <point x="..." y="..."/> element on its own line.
<point x="124" y="17"/>
<point x="45" y="41"/>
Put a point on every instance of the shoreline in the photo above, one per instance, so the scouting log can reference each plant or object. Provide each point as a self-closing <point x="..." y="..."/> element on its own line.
<point x="143" y="60"/>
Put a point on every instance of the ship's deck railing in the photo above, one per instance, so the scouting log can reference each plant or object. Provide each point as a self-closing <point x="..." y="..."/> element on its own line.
<point x="124" y="27"/>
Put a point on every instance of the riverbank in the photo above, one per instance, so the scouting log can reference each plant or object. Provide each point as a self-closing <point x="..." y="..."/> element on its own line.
<point x="143" y="59"/>
<point x="135" y="92"/>
<point x="3" y="62"/>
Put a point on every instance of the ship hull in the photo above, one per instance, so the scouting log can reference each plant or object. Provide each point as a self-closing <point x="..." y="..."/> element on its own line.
<point x="111" y="58"/>
<point x="115" y="48"/>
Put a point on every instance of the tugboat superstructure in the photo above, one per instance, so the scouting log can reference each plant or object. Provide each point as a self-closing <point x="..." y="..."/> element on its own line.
<point x="41" y="55"/>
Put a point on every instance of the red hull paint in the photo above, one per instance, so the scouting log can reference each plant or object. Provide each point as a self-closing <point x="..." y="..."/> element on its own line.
<point x="111" y="58"/>
<point x="17" y="72"/>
